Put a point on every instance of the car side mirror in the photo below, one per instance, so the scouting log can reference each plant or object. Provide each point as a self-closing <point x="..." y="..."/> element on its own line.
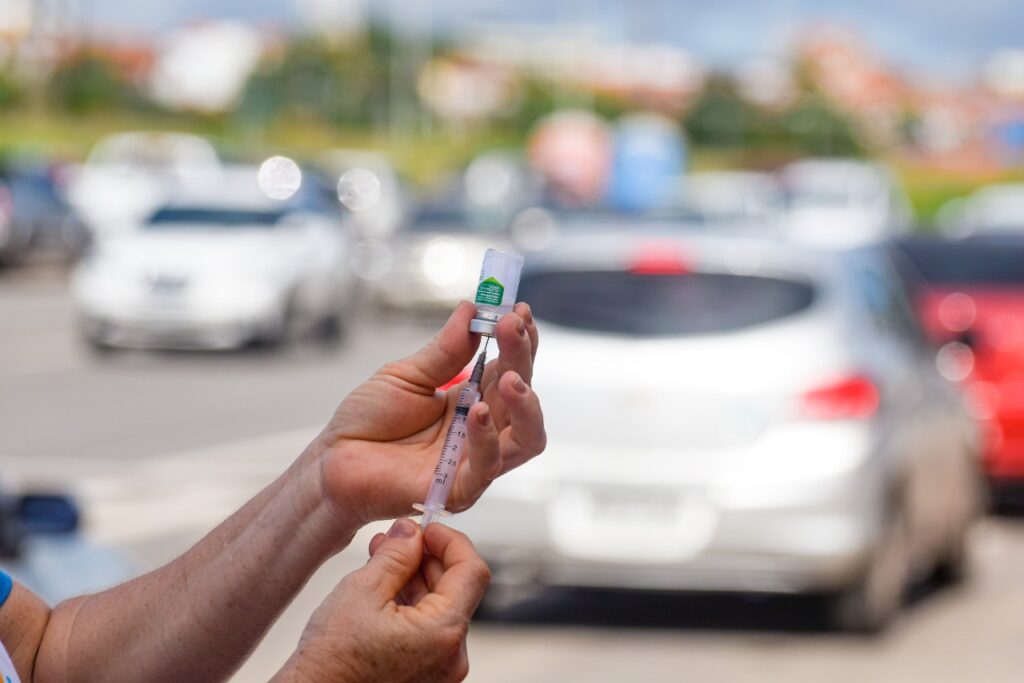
<point x="42" y="513"/>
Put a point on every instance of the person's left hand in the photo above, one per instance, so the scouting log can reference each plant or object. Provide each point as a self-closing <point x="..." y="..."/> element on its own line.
<point x="379" y="451"/>
<point x="401" y="617"/>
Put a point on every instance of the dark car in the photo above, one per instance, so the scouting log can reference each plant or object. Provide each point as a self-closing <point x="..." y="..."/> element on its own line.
<point x="35" y="216"/>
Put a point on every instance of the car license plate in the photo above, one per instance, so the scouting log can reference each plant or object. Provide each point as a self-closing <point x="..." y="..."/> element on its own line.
<point x="635" y="507"/>
<point x="631" y="525"/>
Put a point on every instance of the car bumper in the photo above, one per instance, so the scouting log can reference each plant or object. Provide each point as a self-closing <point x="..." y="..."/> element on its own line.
<point x="683" y="532"/>
<point x="193" y="329"/>
<point x="771" y="552"/>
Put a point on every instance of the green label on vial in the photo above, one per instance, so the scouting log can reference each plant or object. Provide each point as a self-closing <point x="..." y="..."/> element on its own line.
<point x="490" y="292"/>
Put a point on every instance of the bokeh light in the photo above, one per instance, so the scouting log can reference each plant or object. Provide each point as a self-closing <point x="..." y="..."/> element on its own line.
<point x="279" y="177"/>
<point x="359" y="189"/>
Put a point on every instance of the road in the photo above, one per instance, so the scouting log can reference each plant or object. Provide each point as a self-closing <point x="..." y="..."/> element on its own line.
<point x="159" y="447"/>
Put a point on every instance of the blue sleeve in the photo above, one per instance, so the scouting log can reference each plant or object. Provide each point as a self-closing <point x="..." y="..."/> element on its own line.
<point x="5" y="586"/>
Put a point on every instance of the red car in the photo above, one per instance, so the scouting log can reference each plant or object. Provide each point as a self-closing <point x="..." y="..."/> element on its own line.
<point x="971" y="303"/>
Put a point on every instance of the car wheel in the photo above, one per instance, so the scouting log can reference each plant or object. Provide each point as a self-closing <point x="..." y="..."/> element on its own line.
<point x="331" y="331"/>
<point x="954" y="565"/>
<point x="284" y="333"/>
<point x="871" y="604"/>
<point x="499" y="600"/>
<point x="97" y="347"/>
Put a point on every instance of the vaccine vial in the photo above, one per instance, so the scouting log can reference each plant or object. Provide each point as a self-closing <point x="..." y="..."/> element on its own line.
<point x="496" y="291"/>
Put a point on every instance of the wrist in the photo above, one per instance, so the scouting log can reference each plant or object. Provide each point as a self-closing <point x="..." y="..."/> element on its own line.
<point x="305" y="666"/>
<point x="318" y="512"/>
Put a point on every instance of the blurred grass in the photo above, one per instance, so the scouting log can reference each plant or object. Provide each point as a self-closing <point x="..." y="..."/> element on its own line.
<point x="930" y="188"/>
<point x="424" y="159"/>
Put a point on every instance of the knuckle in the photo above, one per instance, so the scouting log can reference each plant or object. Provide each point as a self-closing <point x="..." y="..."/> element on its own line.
<point x="461" y="670"/>
<point x="482" y="572"/>
<point x="449" y="640"/>
<point x="541" y="443"/>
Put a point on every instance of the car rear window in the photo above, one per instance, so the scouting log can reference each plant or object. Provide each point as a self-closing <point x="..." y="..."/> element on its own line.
<point x="982" y="262"/>
<point x="188" y="218"/>
<point x="626" y="303"/>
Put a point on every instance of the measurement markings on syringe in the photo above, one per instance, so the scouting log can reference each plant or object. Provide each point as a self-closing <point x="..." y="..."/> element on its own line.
<point x="452" y="441"/>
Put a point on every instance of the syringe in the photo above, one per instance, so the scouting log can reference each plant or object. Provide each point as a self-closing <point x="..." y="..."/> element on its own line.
<point x="454" y="445"/>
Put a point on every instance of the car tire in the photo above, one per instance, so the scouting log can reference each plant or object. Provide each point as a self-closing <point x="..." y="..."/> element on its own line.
<point x="499" y="600"/>
<point x="284" y="334"/>
<point x="97" y="347"/>
<point x="331" y="331"/>
<point x="874" y="601"/>
<point x="953" y="566"/>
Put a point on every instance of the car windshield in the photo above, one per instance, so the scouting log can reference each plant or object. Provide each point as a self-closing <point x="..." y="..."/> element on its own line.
<point x="198" y="218"/>
<point x="656" y="305"/>
<point x="973" y="262"/>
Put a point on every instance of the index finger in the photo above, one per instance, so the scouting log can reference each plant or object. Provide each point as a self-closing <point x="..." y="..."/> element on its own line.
<point x="465" y="575"/>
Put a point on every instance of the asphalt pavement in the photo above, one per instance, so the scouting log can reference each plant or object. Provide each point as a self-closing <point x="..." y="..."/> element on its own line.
<point x="159" y="447"/>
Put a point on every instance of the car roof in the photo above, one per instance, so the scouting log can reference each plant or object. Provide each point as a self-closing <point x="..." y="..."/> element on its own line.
<point x="236" y="187"/>
<point x="724" y="247"/>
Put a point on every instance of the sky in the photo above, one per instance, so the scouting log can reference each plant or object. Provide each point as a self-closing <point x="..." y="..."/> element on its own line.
<point x="939" y="37"/>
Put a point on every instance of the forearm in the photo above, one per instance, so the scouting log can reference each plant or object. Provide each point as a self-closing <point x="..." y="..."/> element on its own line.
<point x="198" y="617"/>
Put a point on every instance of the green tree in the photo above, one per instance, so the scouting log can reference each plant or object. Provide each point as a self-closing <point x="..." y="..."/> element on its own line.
<point x="318" y="80"/>
<point x="89" y="82"/>
<point x="720" y="117"/>
<point x="813" y="126"/>
<point x="11" y="90"/>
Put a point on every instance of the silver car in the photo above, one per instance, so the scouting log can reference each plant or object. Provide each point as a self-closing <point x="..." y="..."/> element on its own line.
<point x="427" y="263"/>
<point x="733" y="414"/>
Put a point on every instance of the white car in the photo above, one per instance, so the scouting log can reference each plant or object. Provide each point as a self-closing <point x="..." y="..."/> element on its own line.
<point x="221" y="267"/>
<point x="732" y="414"/>
<point x="842" y="202"/>
<point x="732" y="195"/>
<point x="128" y="175"/>
<point x="993" y="210"/>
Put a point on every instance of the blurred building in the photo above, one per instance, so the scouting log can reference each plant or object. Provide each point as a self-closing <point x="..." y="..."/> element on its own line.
<point x="462" y="90"/>
<point x="205" y="67"/>
<point x="36" y="34"/>
<point x="844" y="67"/>
<point x="655" y="75"/>
<point x="335" y="19"/>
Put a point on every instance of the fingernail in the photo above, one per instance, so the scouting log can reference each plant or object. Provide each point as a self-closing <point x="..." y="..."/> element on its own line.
<point x="402" y="528"/>
<point x="522" y="328"/>
<point x="527" y="313"/>
<point x="519" y="385"/>
<point x="484" y="416"/>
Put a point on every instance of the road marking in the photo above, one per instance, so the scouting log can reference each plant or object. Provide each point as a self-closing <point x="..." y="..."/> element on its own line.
<point x="190" y="490"/>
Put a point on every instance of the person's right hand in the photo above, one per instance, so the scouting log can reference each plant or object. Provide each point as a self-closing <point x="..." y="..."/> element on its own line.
<point x="402" y="617"/>
<point x="379" y="451"/>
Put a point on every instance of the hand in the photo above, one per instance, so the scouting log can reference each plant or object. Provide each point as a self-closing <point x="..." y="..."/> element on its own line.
<point x="379" y="451"/>
<point x="402" y="617"/>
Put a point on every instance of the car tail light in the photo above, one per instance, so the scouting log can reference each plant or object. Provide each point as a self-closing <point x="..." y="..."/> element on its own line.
<point x="659" y="258"/>
<point x="853" y="397"/>
<point x="457" y="379"/>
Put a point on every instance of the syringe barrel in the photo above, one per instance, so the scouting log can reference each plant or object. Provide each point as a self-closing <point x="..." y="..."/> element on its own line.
<point x="451" y="453"/>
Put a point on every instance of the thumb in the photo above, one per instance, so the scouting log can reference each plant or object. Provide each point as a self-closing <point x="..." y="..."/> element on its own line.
<point x="442" y="359"/>
<point x="395" y="560"/>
